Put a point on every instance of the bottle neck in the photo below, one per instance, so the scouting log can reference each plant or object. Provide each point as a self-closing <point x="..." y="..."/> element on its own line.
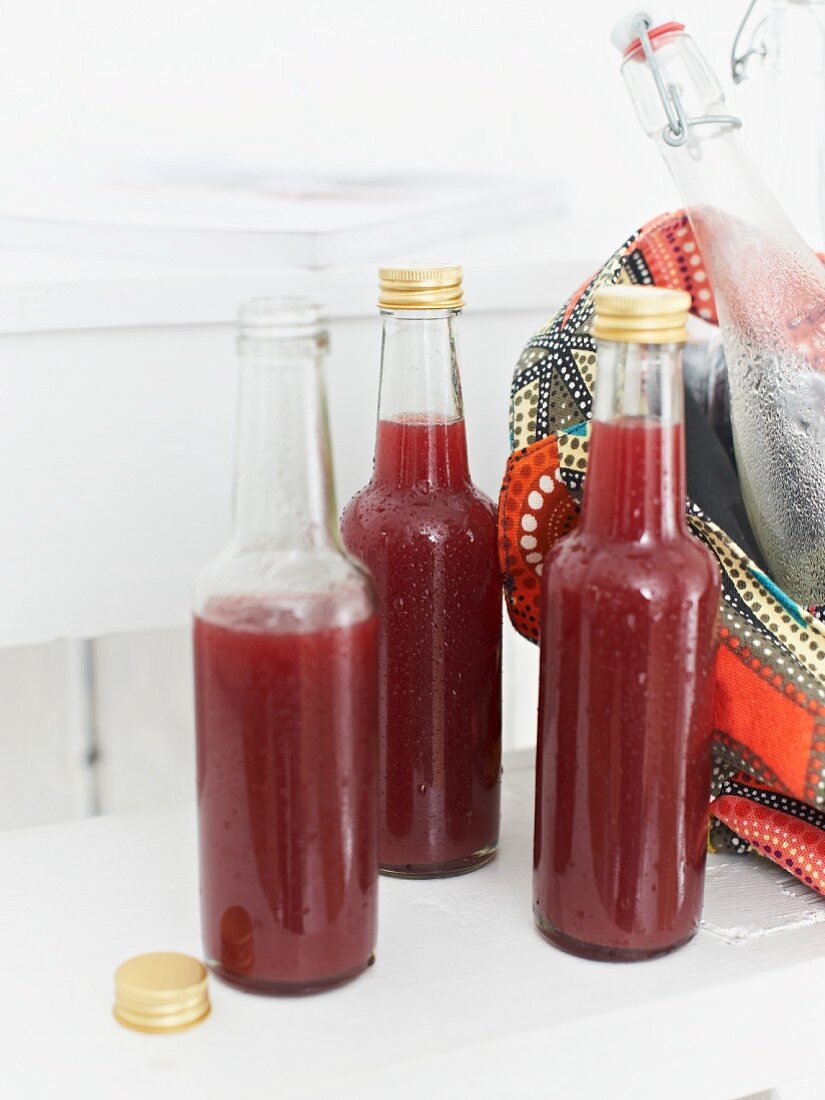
<point x="421" y="438"/>
<point x="748" y="248"/>
<point x="635" y="489"/>
<point x="711" y="168"/>
<point x="284" y="496"/>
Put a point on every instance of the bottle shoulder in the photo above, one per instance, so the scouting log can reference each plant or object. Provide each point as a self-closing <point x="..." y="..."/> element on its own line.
<point x="371" y="506"/>
<point x="683" y="565"/>
<point x="421" y="523"/>
<point x="308" y="588"/>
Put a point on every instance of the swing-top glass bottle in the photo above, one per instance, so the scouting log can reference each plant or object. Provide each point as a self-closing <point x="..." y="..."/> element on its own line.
<point x="769" y="291"/>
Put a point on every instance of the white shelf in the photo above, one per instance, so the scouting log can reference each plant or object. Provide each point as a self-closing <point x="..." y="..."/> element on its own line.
<point x="117" y="395"/>
<point x="249" y="219"/>
<point x="465" y="998"/>
<point x="530" y="267"/>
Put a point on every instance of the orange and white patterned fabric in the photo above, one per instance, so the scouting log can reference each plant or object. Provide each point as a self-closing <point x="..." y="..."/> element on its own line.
<point x="770" y="702"/>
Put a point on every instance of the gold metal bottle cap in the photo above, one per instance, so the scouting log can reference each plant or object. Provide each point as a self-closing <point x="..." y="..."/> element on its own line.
<point x="641" y="314"/>
<point x="416" y="287"/>
<point x="163" y="991"/>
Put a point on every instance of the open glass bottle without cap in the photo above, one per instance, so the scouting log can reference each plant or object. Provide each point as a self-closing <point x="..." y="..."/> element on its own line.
<point x="285" y="640"/>
<point x="629" y="603"/>
<point x="769" y="290"/>
<point x="428" y="537"/>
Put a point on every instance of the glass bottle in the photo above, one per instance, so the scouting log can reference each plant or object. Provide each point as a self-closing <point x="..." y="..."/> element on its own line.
<point x="769" y="290"/>
<point x="428" y="537"/>
<point x="629" y="603"/>
<point x="784" y="101"/>
<point x="285" y="646"/>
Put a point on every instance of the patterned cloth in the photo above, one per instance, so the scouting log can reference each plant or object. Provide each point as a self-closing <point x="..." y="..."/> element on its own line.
<point x="769" y="786"/>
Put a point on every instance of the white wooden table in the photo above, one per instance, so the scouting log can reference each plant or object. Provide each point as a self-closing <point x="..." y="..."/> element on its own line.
<point x="465" y="998"/>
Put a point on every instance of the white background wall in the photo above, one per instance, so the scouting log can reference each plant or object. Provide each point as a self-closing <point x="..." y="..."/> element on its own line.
<point x="531" y="88"/>
<point x="115" y="463"/>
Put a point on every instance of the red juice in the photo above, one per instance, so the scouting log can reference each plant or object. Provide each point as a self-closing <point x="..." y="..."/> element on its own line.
<point x="428" y="537"/>
<point x="286" y="728"/>
<point x="629" y="606"/>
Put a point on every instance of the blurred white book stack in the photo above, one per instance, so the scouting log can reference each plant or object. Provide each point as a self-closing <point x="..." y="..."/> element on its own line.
<point x="166" y="246"/>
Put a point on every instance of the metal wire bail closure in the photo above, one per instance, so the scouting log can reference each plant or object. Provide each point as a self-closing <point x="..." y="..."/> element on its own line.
<point x="675" y="132"/>
<point x="739" y="61"/>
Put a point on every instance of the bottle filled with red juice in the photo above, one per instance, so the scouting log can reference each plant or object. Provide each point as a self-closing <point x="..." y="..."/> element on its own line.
<point x="629" y="605"/>
<point x="286" y="691"/>
<point x="428" y="537"/>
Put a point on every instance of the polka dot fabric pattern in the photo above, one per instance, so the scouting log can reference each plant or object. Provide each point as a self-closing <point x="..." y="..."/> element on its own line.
<point x="770" y="702"/>
<point x="785" y="830"/>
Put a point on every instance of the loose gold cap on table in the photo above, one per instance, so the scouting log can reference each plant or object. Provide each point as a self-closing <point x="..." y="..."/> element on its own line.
<point x="163" y="991"/>
<point x="641" y="314"/>
<point x="413" y="286"/>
